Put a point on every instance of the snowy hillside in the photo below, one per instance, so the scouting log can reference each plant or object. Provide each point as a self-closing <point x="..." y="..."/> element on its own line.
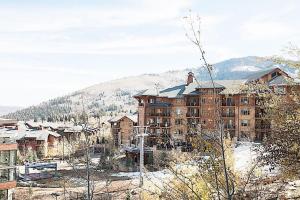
<point x="8" y="109"/>
<point x="245" y="68"/>
<point x="116" y="97"/>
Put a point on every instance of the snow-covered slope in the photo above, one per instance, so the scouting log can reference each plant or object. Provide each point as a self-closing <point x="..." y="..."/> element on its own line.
<point x="116" y="96"/>
<point x="245" y="68"/>
<point x="8" y="109"/>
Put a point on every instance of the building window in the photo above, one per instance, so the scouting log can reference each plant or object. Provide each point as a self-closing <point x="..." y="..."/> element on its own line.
<point x="245" y="111"/>
<point x="274" y="74"/>
<point x="217" y="100"/>
<point x="151" y="100"/>
<point x="158" y="120"/>
<point x="244" y="100"/>
<point x="203" y="100"/>
<point x="244" y="122"/>
<point x="178" y="121"/>
<point x="178" y="111"/>
<point x="194" y="111"/>
<point x="229" y="102"/>
<point x="179" y="132"/>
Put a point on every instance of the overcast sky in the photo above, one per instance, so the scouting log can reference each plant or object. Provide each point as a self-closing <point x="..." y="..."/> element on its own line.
<point x="52" y="47"/>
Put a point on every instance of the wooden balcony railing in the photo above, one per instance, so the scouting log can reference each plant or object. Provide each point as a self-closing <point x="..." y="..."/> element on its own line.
<point x="262" y="126"/>
<point x="229" y="126"/>
<point x="228" y="104"/>
<point x="228" y="114"/>
<point x="192" y="115"/>
<point x="192" y="104"/>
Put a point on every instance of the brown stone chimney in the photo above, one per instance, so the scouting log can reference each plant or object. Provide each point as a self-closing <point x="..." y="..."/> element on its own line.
<point x="190" y="78"/>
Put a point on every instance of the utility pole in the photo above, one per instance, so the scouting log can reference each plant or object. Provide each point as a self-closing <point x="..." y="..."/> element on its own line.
<point x="141" y="135"/>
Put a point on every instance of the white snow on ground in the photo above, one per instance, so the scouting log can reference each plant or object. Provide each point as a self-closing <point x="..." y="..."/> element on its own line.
<point x="148" y="175"/>
<point x="244" y="156"/>
<point x="127" y="174"/>
<point x="152" y="180"/>
<point x="245" y="68"/>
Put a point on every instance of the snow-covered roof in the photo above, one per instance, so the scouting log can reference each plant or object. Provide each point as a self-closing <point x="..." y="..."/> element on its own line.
<point x="118" y="118"/>
<point x="191" y="89"/>
<point x="280" y="80"/>
<point x="73" y="129"/>
<point x="259" y="74"/>
<point x="54" y="125"/>
<point x="229" y="86"/>
<point x="232" y="86"/>
<point x="8" y="121"/>
<point x="19" y="134"/>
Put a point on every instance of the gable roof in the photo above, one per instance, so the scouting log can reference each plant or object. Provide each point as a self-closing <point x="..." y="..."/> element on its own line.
<point x="229" y="86"/>
<point x="280" y="80"/>
<point x="232" y="86"/>
<point x="4" y="121"/>
<point x="173" y="92"/>
<point x="118" y="118"/>
<point x="180" y="90"/>
<point x="259" y="74"/>
<point x="18" y="134"/>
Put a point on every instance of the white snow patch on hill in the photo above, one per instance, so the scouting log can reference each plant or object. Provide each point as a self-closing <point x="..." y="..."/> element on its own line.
<point x="245" y="68"/>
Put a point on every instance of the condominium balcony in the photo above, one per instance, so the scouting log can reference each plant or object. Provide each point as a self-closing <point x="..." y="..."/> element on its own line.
<point x="160" y="125"/>
<point x="192" y="115"/>
<point x="154" y="114"/>
<point x="260" y="115"/>
<point x="228" y="114"/>
<point x="154" y="134"/>
<point x="229" y="126"/>
<point x="258" y="126"/>
<point x="165" y="124"/>
<point x="228" y="104"/>
<point x="154" y="125"/>
<point x="165" y="114"/>
<point x="160" y="104"/>
<point x="192" y="104"/>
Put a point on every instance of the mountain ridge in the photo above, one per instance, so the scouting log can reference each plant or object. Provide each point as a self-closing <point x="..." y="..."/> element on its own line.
<point x="115" y="97"/>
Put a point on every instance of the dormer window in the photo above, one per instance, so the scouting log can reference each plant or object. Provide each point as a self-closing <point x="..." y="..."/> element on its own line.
<point x="151" y="100"/>
<point x="274" y="74"/>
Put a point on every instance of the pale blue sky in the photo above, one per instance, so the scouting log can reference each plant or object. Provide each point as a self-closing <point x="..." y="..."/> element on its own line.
<point x="53" y="47"/>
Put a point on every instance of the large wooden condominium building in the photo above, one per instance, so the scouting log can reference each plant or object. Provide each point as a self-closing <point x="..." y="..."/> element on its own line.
<point x="173" y="113"/>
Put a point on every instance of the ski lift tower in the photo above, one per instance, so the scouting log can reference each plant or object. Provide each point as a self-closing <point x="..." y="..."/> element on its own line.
<point x="141" y="133"/>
